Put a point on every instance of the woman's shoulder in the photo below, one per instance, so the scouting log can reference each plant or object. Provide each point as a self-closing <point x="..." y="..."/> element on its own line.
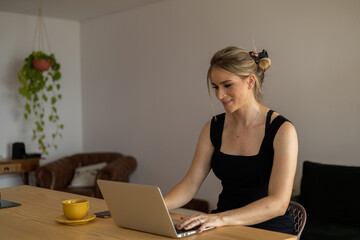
<point x="281" y="124"/>
<point x="286" y="135"/>
<point x="278" y="117"/>
<point x="284" y="126"/>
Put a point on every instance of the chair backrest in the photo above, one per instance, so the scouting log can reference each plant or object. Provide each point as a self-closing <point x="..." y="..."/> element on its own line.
<point x="298" y="213"/>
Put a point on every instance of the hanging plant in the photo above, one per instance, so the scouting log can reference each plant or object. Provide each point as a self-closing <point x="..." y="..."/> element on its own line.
<point x="40" y="88"/>
<point x="40" y="85"/>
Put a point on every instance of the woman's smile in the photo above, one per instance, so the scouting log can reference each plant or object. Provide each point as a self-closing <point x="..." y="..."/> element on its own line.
<point x="225" y="103"/>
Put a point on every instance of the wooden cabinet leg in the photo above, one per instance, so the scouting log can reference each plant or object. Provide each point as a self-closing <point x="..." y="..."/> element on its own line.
<point x="26" y="178"/>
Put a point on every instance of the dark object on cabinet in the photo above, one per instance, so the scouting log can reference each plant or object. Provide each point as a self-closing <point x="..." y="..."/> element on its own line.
<point x="18" y="152"/>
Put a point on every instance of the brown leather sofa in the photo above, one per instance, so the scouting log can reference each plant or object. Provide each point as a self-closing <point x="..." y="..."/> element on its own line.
<point x="58" y="174"/>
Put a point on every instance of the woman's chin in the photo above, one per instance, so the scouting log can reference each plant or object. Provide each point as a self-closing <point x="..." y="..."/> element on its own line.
<point x="229" y="109"/>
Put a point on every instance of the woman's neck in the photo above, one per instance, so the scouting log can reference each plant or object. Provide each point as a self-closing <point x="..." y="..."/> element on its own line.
<point x="249" y="115"/>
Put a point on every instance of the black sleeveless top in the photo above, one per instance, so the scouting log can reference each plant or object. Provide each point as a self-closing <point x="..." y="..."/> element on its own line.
<point x="245" y="179"/>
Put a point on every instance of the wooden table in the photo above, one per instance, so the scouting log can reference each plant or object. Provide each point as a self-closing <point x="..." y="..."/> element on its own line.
<point x="19" y="166"/>
<point x="35" y="219"/>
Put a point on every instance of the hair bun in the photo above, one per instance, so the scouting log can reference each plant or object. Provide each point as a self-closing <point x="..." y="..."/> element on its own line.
<point x="264" y="64"/>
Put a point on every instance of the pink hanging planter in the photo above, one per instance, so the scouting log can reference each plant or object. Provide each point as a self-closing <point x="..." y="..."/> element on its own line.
<point x="41" y="65"/>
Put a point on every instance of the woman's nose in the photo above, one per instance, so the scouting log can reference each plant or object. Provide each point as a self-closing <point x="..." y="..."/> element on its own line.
<point x="220" y="94"/>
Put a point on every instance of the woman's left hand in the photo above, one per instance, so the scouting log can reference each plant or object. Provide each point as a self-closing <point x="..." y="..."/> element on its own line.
<point x="202" y="220"/>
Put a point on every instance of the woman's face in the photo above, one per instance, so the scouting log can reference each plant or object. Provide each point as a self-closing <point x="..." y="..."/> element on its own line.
<point x="232" y="90"/>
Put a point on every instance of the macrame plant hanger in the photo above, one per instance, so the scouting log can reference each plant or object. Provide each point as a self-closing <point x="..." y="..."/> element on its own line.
<point x="41" y="34"/>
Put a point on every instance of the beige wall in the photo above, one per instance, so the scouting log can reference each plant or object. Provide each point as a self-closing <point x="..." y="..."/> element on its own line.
<point x="144" y="91"/>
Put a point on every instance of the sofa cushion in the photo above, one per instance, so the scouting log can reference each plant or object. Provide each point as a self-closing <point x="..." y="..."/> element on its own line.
<point x="85" y="176"/>
<point x="331" y="193"/>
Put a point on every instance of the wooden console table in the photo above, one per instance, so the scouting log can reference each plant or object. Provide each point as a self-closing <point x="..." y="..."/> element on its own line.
<point x="24" y="166"/>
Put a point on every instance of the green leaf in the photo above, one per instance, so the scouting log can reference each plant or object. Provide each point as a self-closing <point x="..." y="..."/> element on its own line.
<point x="27" y="108"/>
<point x="62" y="126"/>
<point x="53" y="100"/>
<point x="56" y="76"/>
<point x="28" y="95"/>
<point x="55" y="66"/>
<point x="58" y="86"/>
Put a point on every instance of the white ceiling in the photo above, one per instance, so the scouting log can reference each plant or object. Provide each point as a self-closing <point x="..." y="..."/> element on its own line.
<point x="70" y="9"/>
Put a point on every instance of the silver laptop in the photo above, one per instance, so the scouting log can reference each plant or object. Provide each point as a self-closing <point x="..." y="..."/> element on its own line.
<point x="139" y="207"/>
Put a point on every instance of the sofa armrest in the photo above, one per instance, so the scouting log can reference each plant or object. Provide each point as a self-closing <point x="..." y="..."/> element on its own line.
<point x="331" y="192"/>
<point x="117" y="170"/>
<point x="55" y="175"/>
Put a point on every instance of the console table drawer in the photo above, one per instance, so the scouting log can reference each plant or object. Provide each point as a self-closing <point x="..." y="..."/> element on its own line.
<point x="10" y="168"/>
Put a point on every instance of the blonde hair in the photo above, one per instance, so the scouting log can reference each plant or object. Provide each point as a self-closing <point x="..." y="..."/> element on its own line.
<point x="238" y="61"/>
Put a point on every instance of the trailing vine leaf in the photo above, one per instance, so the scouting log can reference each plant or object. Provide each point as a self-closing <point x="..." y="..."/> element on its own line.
<point x="37" y="88"/>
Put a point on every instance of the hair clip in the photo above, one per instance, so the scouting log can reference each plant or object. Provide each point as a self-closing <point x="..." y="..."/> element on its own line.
<point x="258" y="56"/>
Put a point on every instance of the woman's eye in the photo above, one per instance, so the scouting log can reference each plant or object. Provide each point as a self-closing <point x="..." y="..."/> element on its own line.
<point x="215" y="87"/>
<point x="227" y="85"/>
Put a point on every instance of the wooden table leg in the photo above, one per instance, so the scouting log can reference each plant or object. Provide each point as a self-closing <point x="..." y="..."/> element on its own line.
<point x="26" y="178"/>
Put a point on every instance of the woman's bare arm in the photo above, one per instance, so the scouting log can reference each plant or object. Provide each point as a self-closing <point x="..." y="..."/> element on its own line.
<point x="185" y="190"/>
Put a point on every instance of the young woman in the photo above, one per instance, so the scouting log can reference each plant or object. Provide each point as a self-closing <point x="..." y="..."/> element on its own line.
<point x="250" y="148"/>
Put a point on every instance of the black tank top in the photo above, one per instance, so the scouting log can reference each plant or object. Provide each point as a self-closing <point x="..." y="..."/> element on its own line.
<point x="245" y="179"/>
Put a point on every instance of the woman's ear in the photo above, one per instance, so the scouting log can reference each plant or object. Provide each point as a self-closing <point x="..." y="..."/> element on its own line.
<point x="251" y="81"/>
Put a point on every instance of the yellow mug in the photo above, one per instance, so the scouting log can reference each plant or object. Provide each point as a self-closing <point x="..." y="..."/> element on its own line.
<point x="75" y="209"/>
